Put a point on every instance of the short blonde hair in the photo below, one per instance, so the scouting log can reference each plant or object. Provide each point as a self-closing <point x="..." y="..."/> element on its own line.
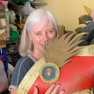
<point x="37" y="15"/>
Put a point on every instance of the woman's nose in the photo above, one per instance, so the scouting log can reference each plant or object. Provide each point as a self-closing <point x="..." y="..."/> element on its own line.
<point x="45" y="37"/>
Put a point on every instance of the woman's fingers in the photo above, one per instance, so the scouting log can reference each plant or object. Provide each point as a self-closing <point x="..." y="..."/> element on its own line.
<point x="35" y="90"/>
<point x="54" y="89"/>
<point x="50" y="89"/>
<point x="62" y="92"/>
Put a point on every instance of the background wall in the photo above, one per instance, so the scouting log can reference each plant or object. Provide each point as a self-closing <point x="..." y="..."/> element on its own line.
<point x="68" y="11"/>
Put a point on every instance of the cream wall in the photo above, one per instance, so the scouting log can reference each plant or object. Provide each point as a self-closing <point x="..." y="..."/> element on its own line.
<point x="68" y="11"/>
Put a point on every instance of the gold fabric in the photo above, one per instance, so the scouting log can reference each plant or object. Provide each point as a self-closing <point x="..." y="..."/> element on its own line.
<point x="3" y="23"/>
<point x="2" y="38"/>
<point x="87" y="91"/>
<point x="87" y="51"/>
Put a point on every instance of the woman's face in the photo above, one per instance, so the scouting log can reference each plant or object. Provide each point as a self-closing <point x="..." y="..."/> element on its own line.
<point x="41" y="36"/>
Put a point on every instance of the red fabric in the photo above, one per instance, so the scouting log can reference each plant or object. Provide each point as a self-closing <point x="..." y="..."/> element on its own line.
<point x="78" y="74"/>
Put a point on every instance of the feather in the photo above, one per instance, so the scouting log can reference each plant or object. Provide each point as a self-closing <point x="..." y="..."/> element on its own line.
<point x="60" y="50"/>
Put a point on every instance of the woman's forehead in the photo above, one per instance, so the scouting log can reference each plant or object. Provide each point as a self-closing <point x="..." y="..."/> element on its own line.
<point x="41" y="25"/>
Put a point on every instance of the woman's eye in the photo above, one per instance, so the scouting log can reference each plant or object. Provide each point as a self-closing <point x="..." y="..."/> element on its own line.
<point x="51" y="31"/>
<point x="38" y="34"/>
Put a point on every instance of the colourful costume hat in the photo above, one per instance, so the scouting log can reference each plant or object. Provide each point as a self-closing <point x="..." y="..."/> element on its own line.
<point x="62" y="65"/>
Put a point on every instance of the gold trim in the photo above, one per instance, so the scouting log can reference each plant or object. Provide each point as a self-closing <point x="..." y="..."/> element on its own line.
<point x="87" y="51"/>
<point x="30" y="77"/>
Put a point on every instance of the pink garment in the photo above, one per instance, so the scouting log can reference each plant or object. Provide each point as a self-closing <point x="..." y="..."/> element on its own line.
<point x="1" y="3"/>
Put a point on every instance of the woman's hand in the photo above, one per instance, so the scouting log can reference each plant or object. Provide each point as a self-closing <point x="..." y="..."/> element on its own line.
<point x="52" y="90"/>
<point x="13" y="91"/>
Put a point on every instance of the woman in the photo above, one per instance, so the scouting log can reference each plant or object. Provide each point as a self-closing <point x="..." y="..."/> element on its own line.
<point x="40" y="27"/>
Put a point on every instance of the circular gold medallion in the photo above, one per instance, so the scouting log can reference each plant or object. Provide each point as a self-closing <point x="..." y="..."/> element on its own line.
<point x="49" y="73"/>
